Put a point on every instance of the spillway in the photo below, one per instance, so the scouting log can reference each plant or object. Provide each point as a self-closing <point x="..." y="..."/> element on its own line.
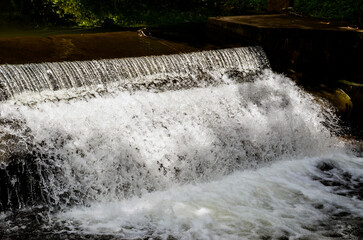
<point x="207" y="145"/>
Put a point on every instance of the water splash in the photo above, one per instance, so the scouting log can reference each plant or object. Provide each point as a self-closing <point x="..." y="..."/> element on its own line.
<point x="206" y="145"/>
<point x="118" y="146"/>
<point x="284" y="201"/>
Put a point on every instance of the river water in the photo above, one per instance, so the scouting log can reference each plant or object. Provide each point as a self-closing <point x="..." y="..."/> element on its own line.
<point x="226" y="149"/>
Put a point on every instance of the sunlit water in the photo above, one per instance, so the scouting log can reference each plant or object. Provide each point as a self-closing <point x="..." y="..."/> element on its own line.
<point x="236" y="158"/>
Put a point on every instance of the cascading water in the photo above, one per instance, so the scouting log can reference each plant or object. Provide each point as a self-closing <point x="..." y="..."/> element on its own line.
<point x="158" y="72"/>
<point x="209" y="145"/>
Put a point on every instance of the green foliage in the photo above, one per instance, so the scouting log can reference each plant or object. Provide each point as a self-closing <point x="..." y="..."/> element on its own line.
<point x="129" y="12"/>
<point x="350" y="10"/>
<point x="149" y="12"/>
<point x="31" y="12"/>
<point x="238" y="6"/>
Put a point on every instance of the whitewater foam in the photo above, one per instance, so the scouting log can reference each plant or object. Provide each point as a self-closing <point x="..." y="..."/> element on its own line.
<point x="282" y="200"/>
<point x="118" y="146"/>
<point x="215" y="154"/>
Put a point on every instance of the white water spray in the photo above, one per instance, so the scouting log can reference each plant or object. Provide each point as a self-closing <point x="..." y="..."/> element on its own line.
<point x="215" y="154"/>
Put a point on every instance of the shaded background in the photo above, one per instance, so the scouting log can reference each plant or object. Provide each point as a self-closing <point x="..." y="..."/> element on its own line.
<point x="95" y="13"/>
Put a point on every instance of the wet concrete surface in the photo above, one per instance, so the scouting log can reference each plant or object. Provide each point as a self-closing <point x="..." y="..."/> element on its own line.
<point x="73" y="47"/>
<point x="129" y="43"/>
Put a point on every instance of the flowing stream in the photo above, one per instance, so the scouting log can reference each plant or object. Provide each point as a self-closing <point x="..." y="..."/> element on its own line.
<point x="209" y="145"/>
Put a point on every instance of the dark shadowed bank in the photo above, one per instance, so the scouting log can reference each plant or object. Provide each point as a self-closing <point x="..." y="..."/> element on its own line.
<point x="156" y="12"/>
<point x="120" y="12"/>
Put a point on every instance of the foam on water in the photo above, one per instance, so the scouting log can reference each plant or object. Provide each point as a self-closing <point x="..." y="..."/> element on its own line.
<point x="282" y="201"/>
<point x="114" y="147"/>
<point x="217" y="154"/>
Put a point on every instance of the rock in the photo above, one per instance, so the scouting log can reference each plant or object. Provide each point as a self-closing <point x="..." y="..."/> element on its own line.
<point x="355" y="91"/>
<point x="339" y="99"/>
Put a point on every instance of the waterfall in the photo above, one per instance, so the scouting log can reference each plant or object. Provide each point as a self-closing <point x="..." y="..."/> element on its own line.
<point x="129" y="73"/>
<point x="208" y="145"/>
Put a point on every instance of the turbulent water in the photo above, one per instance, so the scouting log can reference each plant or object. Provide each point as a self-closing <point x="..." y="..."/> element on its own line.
<point x="209" y="145"/>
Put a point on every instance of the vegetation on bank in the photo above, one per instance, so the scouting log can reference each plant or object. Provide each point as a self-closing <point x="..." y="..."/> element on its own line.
<point x="150" y="12"/>
<point x="121" y="12"/>
<point x="348" y="10"/>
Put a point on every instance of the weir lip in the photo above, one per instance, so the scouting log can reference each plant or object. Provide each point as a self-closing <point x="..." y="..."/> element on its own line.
<point x="166" y="72"/>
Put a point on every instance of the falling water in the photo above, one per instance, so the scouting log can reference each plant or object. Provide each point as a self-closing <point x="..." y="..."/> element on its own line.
<point x="161" y="72"/>
<point x="209" y="145"/>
